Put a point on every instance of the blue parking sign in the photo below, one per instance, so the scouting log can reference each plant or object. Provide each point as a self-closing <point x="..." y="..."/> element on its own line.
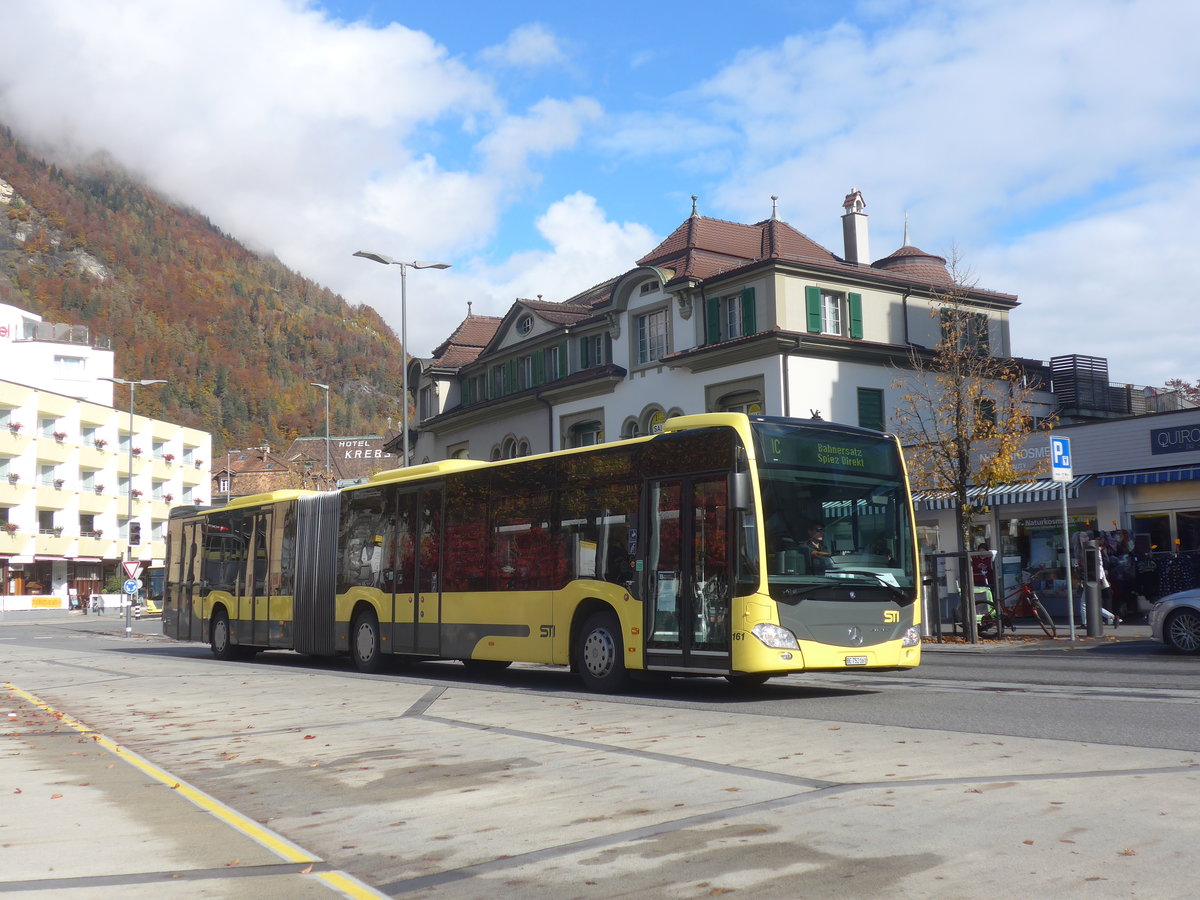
<point x="1060" y="458"/>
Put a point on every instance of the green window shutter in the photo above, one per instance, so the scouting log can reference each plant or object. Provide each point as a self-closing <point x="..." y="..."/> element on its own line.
<point x="539" y="367"/>
<point x="981" y="334"/>
<point x="712" y="322"/>
<point x="856" y="322"/>
<point x="510" y="375"/>
<point x="947" y="321"/>
<point x="748" y="317"/>
<point x="812" y="301"/>
<point x="468" y="389"/>
<point x="584" y="354"/>
<point x="870" y="409"/>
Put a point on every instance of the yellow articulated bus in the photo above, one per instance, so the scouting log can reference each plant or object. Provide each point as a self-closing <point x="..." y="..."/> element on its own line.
<point x="748" y="547"/>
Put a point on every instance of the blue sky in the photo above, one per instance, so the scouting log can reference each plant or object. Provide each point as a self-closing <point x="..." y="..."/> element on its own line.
<point x="543" y="147"/>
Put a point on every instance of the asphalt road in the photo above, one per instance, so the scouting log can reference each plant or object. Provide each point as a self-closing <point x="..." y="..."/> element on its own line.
<point x="1056" y="769"/>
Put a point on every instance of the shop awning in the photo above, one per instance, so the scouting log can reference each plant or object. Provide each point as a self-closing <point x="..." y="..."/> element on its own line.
<point x="1039" y="491"/>
<point x="941" y="500"/>
<point x="1149" y="476"/>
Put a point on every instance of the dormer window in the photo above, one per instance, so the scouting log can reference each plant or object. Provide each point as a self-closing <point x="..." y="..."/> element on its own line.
<point x="648" y="287"/>
<point x="525" y="324"/>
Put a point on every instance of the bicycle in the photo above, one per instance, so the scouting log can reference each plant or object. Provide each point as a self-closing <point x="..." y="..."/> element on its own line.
<point x="1022" y="603"/>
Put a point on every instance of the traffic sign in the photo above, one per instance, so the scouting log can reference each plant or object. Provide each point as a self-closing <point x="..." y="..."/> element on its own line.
<point x="1060" y="459"/>
<point x="131" y="585"/>
<point x="132" y="567"/>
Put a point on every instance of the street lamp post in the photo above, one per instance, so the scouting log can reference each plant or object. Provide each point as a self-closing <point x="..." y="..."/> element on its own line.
<point x="404" y="266"/>
<point x="133" y="385"/>
<point x="325" y="388"/>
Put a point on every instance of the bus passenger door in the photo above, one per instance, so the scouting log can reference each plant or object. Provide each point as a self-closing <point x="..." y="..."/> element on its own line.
<point x="428" y="533"/>
<point x="400" y="575"/>
<point x="254" y="601"/>
<point x="183" y="590"/>
<point x="688" y="589"/>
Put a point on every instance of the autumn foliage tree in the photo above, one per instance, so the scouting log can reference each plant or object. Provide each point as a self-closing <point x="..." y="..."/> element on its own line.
<point x="963" y="414"/>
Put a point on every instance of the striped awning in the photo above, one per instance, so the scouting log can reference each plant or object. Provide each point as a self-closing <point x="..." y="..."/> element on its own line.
<point x="1039" y="491"/>
<point x="945" y="500"/>
<point x="1149" y="476"/>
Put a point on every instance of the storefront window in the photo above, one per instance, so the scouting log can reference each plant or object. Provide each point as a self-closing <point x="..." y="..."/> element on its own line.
<point x="1151" y="533"/>
<point x="1187" y="528"/>
<point x="1032" y="549"/>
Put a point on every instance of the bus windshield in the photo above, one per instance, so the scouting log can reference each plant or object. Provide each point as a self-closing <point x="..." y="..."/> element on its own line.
<point x="836" y="510"/>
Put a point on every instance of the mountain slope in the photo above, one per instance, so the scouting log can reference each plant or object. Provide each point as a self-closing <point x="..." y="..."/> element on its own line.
<point x="238" y="336"/>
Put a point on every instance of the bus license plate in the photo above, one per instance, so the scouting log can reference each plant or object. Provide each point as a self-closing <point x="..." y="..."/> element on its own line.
<point x="856" y="660"/>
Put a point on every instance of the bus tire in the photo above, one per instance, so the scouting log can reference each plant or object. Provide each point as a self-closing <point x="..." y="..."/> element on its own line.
<point x="364" y="642"/>
<point x="600" y="654"/>
<point x="219" y="638"/>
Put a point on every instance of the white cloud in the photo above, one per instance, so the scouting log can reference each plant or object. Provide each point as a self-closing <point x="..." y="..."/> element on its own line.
<point x="297" y="133"/>
<point x="583" y="249"/>
<point x="529" y="46"/>
<point x="1117" y="284"/>
<point x="550" y="126"/>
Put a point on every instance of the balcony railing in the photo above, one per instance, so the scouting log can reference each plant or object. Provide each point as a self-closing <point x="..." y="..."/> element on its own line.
<point x="63" y="333"/>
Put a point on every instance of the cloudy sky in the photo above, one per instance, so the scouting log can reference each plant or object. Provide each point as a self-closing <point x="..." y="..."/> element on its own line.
<point x="542" y="147"/>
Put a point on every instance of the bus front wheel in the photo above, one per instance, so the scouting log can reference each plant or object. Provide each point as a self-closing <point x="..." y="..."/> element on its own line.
<point x="600" y="654"/>
<point x="218" y="637"/>
<point x="364" y="643"/>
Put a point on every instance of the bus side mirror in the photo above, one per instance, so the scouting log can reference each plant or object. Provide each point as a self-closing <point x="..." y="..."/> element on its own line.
<point x="741" y="494"/>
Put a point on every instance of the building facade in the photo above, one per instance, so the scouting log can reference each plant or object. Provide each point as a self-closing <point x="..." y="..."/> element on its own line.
<point x="720" y="316"/>
<point x="256" y="470"/>
<point x="76" y="482"/>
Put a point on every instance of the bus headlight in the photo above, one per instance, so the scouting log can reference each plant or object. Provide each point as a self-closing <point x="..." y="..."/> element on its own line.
<point x="775" y="637"/>
<point x="912" y="637"/>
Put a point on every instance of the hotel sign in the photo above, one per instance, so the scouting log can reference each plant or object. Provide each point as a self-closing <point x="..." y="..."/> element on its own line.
<point x="1180" y="439"/>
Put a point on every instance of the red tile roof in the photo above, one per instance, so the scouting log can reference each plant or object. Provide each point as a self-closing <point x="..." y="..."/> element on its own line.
<point x="914" y="263"/>
<point x="702" y="247"/>
<point x="467" y="341"/>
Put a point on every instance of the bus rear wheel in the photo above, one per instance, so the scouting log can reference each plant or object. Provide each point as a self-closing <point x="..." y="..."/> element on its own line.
<point x="599" y="653"/>
<point x="364" y="643"/>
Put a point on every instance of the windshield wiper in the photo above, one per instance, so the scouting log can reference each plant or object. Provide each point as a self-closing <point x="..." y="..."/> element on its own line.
<point x="879" y="581"/>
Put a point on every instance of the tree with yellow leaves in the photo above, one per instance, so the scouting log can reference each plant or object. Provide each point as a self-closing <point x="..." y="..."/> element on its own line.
<point x="963" y="414"/>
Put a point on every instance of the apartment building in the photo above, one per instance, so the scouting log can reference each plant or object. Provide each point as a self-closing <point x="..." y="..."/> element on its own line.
<point x="77" y="482"/>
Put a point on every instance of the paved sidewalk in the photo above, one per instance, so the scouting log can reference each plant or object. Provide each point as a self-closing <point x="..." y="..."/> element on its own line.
<point x="85" y="817"/>
<point x="1029" y="636"/>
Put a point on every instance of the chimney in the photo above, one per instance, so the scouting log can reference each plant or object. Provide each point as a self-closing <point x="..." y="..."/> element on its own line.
<point x="854" y="229"/>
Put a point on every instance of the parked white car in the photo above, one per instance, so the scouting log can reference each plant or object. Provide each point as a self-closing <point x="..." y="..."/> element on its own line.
<point x="1175" y="621"/>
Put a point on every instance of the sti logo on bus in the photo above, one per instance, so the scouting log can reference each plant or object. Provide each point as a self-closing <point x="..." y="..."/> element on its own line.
<point x="891" y="615"/>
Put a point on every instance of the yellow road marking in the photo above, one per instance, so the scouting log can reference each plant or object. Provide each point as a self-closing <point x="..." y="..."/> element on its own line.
<point x="276" y="843"/>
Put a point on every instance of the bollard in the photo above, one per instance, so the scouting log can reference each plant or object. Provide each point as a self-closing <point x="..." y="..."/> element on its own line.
<point x="1094" y="621"/>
